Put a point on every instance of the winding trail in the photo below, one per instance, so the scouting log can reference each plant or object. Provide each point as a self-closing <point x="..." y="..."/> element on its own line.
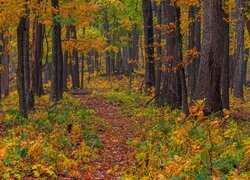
<point x="115" y="153"/>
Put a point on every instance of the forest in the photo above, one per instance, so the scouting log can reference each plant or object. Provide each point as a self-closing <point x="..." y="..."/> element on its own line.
<point x="125" y="89"/>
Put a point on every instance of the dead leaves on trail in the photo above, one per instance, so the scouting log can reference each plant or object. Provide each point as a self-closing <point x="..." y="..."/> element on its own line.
<point x="115" y="153"/>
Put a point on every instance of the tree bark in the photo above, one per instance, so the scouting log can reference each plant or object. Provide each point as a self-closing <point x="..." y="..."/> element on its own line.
<point x="37" y="56"/>
<point x="172" y="92"/>
<point x="194" y="42"/>
<point x="209" y="75"/>
<point x="225" y="82"/>
<point x="238" y="91"/>
<point x="56" y="91"/>
<point x="1" y="66"/>
<point x="158" y="99"/>
<point x="20" y="67"/>
<point x="148" y="41"/>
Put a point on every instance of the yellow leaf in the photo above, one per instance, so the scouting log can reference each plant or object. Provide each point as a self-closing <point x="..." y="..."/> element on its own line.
<point x="200" y="116"/>
<point x="109" y="171"/>
<point x="226" y="112"/>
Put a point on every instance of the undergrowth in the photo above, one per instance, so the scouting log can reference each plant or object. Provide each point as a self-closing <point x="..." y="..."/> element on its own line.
<point x="56" y="140"/>
<point x="172" y="146"/>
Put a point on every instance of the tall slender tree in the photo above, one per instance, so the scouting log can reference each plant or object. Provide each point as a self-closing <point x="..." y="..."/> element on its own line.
<point x="56" y="91"/>
<point x="20" y="67"/>
<point x="38" y="38"/>
<point x="194" y="43"/>
<point x="225" y="82"/>
<point x="172" y="80"/>
<point x="238" y="91"/>
<point x="148" y="41"/>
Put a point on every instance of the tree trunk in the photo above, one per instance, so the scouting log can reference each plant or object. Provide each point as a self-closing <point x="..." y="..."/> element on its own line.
<point x="1" y="65"/>
<point x="20" y="68"/>
<point x="209" y="75"/>
<point x="148" y="42"/>
<point x="27" y="74"/>
<point x="238" y="91"/>
<point x="38" y="56"/>
<point x="56" y="91"/>
<point x="158" y="99"/>
<point x="75" y="65"/>
<point x="172" y="81"/>
<point x="194" y="42"/>
<point x="184" y="97"/>
<point x="5" y="63"/>
<point x="225" y="82"/>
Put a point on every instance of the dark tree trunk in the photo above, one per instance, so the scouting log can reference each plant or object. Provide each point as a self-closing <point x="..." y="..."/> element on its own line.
<point x="20" y="68"/>
<point x="38" y="56"/>
<point x="75" y="62"/>
<point x="56" y="91"/>
<point x="238" y="91"/>
<point x="148" y="41"/>
<point x="5" y="64"/>
<point x="159" y="101"/>
<point x="65" y="62"/>
<point x="27" y="74"/>
<point x="225" y="82"/>
<point x="247" y="54"/>
<point x="194" y="42"/>
<point x="1" y="65"/>
<point x="82" y="71"/>
<point x="184" y="97"/>
<point x="212" y="50"/>
<point x="107" y="54"/>
<point x="172" y="80"/>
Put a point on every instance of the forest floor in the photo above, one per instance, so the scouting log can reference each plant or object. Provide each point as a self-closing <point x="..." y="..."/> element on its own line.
<point x="115" y="152"/>
<point x="111" y="133"/>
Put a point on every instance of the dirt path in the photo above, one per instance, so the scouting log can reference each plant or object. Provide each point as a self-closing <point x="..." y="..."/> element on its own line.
<point x="115" y="154"/>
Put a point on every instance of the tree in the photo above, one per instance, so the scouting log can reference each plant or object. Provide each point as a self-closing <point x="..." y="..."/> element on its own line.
<point x="56" y="91"/>
<point x="240" y="26"/>
<point x="209" y="75"/>
<point x="225" y="82"/>
<point x="1" y="66"/>
<point x="20" y="68"/>
<point x="172" y="80"/>
<point x="148" y="41"/>
<point x="194" y="43"/>
<point x="38" y="37"/>
<point x="27" y="78"/>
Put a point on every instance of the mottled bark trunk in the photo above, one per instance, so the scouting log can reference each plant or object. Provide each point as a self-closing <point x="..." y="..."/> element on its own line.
<point x="172" y="81"/>
<point x="1" y="65"/>
<point x="27" y="74"/>
<point x="5" y="64"/>
<point x="238" y="90"/>
<point x="75" y="60"/>
<point x="184" y="97"/>
<point x="38" y="83"/>
<point x="158" y="99"/>
<point x="209" y="76"/>
<point x="247" y="54"/>
<point x="148" y="42"/>
<point x="56" y="91"/>
<point x="20" y="68"/>
<point x="194" y="41"/>
<point x="225" y="82"/>
<point x="65" y="62"/>
<point x="82" y="71"/>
